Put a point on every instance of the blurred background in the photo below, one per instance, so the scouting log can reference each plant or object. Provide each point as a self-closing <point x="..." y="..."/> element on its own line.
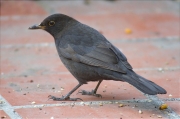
<point x="116" y="19"/>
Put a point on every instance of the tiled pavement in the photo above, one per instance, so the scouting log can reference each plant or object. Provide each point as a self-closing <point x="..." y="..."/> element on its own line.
<point x="31" y="69"/>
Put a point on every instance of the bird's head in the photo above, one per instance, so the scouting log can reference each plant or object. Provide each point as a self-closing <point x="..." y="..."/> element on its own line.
<point x="54" y="24"/>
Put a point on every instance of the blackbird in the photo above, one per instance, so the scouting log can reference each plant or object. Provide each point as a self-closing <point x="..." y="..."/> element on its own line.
<point x="89" y="56"/>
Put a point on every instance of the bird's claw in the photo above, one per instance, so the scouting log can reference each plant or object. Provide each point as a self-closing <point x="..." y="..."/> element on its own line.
<point x="63" y="98"/>
<point x="84" y="92"/>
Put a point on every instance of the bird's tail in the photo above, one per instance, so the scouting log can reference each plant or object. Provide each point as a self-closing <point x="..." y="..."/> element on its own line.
<point x="144" y="85"/>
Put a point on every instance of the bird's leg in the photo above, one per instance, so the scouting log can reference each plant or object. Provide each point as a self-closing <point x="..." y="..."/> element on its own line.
<point x="67" y="97"/>
<point x="93" y="92"/>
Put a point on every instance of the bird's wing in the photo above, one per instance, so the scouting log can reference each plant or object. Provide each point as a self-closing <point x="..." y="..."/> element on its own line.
<point x="102" y="54"/>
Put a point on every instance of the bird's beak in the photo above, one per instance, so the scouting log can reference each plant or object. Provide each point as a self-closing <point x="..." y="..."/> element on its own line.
<point x="36" y="27"/>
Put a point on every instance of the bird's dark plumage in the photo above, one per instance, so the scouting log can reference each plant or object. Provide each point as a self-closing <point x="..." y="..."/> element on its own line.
<point x="89" y="56"/>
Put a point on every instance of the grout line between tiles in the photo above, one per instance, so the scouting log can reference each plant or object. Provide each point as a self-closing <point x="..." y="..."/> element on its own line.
<point x="169" y="113"/>
<point x="93" y="103"/>
<point x="8" y="109"/>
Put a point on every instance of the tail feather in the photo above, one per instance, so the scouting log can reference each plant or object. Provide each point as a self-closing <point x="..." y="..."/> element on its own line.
<point x="144" y="85"/>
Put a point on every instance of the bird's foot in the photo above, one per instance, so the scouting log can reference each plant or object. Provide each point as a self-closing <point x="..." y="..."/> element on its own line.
<point x="63" y="98"/>
<point x="84" y="92"/>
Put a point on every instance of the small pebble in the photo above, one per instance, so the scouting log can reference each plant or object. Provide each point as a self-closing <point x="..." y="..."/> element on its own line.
<point x="159" y="116"/>
<point x="33" y="102"/>
<point x="62" y="88"/>
<point x="31" y="81"/>
<point x="52" y="118"/>
<point x="101" y="104"/>
<point x="170" y="95"/>
<point x="140" y="112"/>
<point x="149" y="100"/>
<point x="82" y="103"/>
<point x="1" y="102"/>
<point x="3" y="117"/>
<point x="160" y="69"/>
<point x="38" y="85"/>
<point x="120" y="105"/>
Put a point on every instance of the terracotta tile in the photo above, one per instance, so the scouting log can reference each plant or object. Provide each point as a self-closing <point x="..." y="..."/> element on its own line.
<point x="3" y="115"/>
<point x="21" y="8"/>
<point x="175" y="106"/>
<point x="25" y="92"/>
<point x="149" y="54"/>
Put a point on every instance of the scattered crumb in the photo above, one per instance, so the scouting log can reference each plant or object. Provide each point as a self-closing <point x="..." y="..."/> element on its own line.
<point x="105" y="86"/>
<point x="1" y="102"/>
<point x="31" y="81"/>
<point x="100" y="104"/>
<point x="170" y="95"/>
<point x="24" y="94"/>
<point x="149" y="100"/>
<point x="3" y="117"/>
<point x="33" y="102"/>
<point x="128" y="31"/>
<point x="140" y="112"/>
<point x="62" y="88"/>
<point x="53" y="87"/>
<point x="40" y="108"/>
<point x="110" y="102"/>
<point x="116" y="102"/>
<point x="81" y="103"/>
<point x="52" y="118"/>
<point x="159" y="116"/>
<point x="163" y="106"/>
<point x="160" y="69"/>
<point x="121" y="105"/>
<point x="38" y="85"/>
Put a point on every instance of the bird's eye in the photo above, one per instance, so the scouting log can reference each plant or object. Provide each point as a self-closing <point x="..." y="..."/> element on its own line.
<point x="51" y="23"/>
